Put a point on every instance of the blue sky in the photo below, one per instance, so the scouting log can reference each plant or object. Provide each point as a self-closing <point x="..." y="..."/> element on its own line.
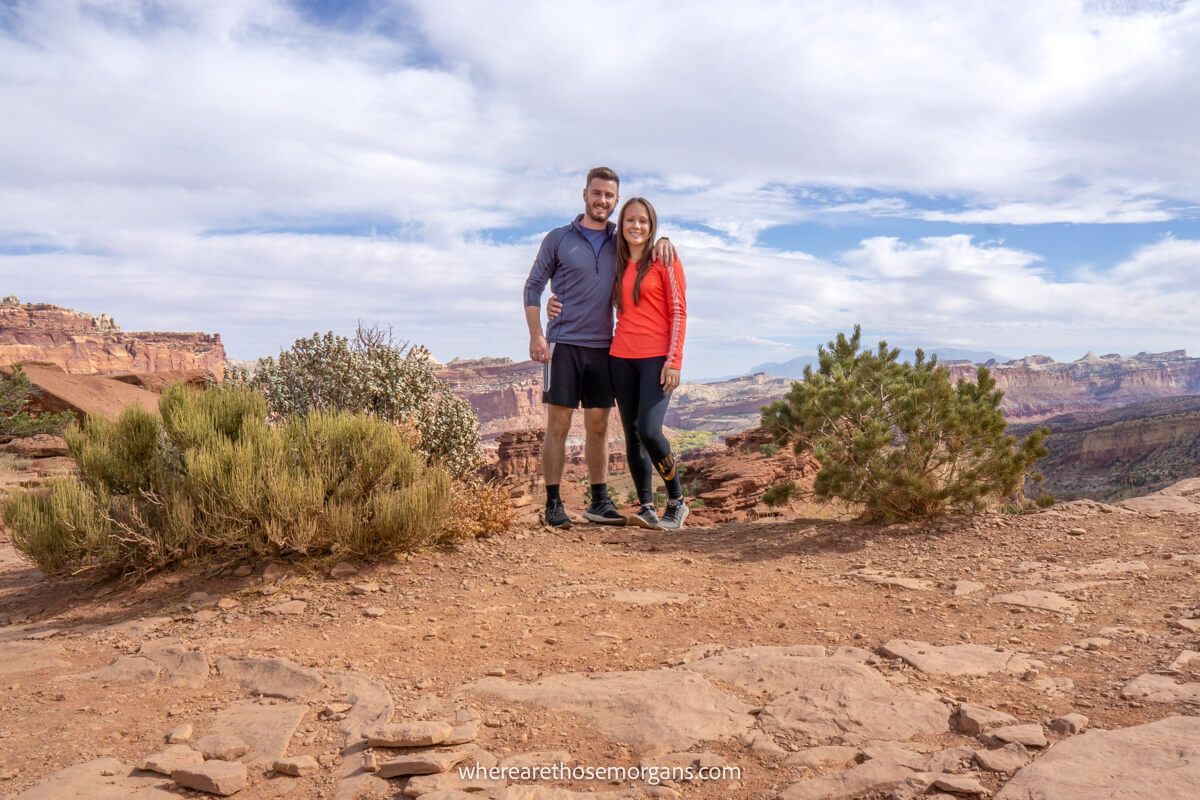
<point x="1017" y="177"/>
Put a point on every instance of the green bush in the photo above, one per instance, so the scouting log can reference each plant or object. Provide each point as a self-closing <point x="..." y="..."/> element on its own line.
<point x="780" y="494"/>
<point x="901" y="439"/>
<point x="209" y="475"/>
<point x="15" y="420"/>
<point x="769" y="449"/>
<point x="688" y="441"/>
<point x="371" y="374"/>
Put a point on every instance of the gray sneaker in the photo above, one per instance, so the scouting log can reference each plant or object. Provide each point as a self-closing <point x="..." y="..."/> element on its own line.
<point x="604" y="512"/>
<point x="675" y="514"/>
<point x="646" y="518"/>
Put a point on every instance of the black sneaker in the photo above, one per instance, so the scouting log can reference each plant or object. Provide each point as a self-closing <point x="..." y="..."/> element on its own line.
<point x="676" y="513"/>
<point x="604" y="512"/>
<point x="646" y="518"/>
<point x="556" y="515"/>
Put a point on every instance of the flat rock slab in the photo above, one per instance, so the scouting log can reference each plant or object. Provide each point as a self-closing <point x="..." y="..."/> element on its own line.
<point x="1035" y="598"/>
<point x="174" y="757"/>
<point x="653" y="712"/>
<point x="409" y="734"/>
<point x="1113" y="566"/>
<point x="956" y="659"/>
<point x="428" y="762"/>
<point x="773" y="670"/>
<point x="102" y="779"/>
<point x="916" y="584"/>
<point x="830" y="755"/>
<point x="184" y="666"/>
<point x="215" y="777"/>
<point x="1029" y="735"/>
<point x="974" y="720"/>
<point x="126" y="669"/>
<point x="844" y="702"/>
<point x="1159" y="760"/>
<point x="1160" y="689"/>
<point x="370" y="704"/>
<point x="641" y="597"/>
<point x="423" y="785"/>
<point x="271" y="677"/>
<point x="266" y="729"/>
<point x="524" y="792"/>
<point x="1006" y="760"/>
<point x="297" y="766"/>
<point x="873" y="776"/>
<point x="30" y="657"/>
<point x="964" y="588"/>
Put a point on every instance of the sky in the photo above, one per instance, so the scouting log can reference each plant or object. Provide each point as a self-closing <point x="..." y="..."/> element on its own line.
<point x="1015" y="177"/>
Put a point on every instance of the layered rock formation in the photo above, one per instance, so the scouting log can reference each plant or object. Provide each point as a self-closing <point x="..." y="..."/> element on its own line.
<point x="1038" y="387"/>
<point x="88" y="345"/>
<point x="731" y="481"/>
<point x="1119" y="453"/>
<point x="507" y="395"/>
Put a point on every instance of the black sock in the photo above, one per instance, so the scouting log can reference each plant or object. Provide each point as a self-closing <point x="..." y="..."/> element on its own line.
<point x="552" y="493"/>
<point x="599" y="492"/>
<point x="674" y="488"/>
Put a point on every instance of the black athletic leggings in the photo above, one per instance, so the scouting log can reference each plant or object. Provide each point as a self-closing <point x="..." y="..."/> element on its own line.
<point x="637" y="385"/>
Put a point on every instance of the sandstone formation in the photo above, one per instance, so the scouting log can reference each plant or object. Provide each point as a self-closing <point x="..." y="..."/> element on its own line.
<point x="1038" y="387"/>
<point x="731" y="482"/>
<point x="506" y="396"/>
<point x="88" y="345"/>
<point x="1119" y="453"/>
<point x="85" y="394"/>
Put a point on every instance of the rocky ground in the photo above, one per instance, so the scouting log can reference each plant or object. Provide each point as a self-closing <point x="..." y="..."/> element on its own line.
<point x="815" y="658"/>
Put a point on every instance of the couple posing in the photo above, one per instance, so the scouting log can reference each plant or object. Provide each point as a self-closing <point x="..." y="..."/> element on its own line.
<point x="595" y="267"/>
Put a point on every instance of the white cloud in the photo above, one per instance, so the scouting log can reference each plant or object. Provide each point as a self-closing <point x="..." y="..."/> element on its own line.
<point x="134" y="129"/>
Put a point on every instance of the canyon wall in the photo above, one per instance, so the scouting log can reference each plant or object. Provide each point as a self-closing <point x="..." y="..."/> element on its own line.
<point x="83" y="344"/>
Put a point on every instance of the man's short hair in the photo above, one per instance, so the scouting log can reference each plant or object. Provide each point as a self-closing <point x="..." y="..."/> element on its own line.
<point x="604" y="174"/>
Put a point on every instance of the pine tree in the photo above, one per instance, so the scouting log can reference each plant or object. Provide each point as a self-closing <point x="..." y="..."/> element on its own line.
<point x="901" y="439"/>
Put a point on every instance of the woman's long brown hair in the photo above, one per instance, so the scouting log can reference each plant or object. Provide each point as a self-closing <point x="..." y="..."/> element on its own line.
<point x="647" y="259"/>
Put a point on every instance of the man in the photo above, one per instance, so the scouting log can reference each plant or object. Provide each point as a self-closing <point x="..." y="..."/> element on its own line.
<point x="579" y="261"/>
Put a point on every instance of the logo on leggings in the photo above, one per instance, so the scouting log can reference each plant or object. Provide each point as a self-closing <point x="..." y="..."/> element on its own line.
<point x="666" y="468"/>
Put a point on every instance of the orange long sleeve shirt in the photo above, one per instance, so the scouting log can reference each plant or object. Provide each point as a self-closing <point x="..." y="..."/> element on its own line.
<point x="656" y="326"/>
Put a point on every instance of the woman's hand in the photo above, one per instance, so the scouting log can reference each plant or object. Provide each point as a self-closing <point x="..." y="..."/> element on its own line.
<point x="669" y="379"/>
<point x="664" y="252"/>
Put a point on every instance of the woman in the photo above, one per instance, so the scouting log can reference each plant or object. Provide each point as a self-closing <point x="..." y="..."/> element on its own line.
<point x="645" y="358"/>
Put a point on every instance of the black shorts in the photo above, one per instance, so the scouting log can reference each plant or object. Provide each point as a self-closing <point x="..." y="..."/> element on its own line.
<point x="577" y="376"/>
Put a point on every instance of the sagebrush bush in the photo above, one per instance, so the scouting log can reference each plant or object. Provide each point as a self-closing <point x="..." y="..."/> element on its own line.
<point x="371" y="374"/>
<point x="900" y="439"/>
<point x="210" y="476"/>
<point x="16" y="391"/>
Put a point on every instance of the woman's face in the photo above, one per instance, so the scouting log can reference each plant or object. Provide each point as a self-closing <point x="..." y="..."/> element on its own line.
<point x="635" y="224"/>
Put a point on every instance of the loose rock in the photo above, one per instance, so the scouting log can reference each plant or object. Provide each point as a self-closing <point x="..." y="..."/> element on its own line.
<point x="215" y="777"/>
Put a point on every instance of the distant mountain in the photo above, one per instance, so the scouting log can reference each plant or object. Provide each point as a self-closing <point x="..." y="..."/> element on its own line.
<point x="795" y="367"/>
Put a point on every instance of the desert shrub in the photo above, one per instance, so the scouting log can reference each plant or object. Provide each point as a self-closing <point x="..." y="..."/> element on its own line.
<point x="476" y="509"/>
<point x="688" y="441"/>
<point x="372" y="374"/>
<point x="901" y="439"/>
<point x="780" y="494"/>
<point x="16" y="391"/>
<point x="209" y="475"/>
<point x="769" y="449"/>
<point x="1044" y="500"/>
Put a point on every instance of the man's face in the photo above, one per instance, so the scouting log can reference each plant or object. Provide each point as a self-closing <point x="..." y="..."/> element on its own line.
<point x="599" y="199"/>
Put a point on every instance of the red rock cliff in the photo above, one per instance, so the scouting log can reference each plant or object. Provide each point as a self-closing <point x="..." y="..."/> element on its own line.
<point x="88" y="345"/>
